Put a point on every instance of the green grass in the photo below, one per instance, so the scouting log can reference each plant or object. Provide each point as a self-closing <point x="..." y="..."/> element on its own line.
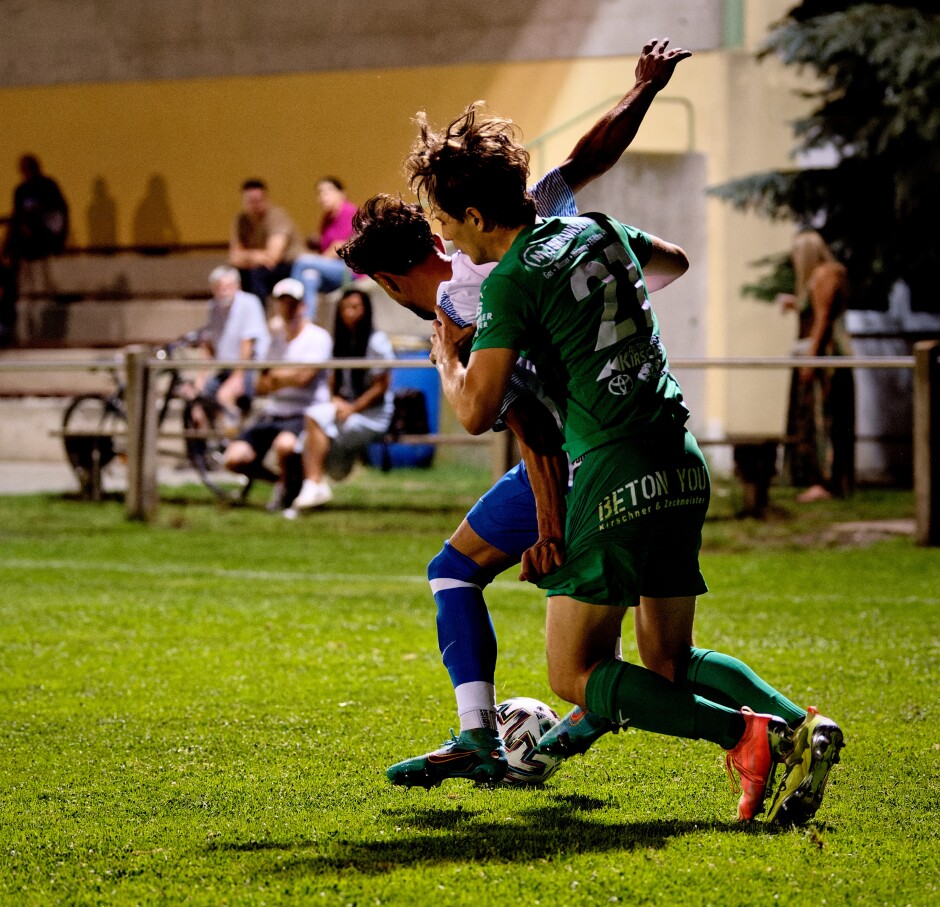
<point x="201" y="711"/>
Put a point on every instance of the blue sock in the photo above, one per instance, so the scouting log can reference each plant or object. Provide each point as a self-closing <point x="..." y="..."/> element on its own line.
<point x="465" y="634"/>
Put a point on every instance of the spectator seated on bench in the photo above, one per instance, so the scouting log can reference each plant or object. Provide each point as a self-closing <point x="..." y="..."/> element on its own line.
<point x="264" y="241"/>
<point x="236" y="329"/>
<point x="322" y="270"/>
<point x="337" y="433"/>
<point x="290" y="390"/>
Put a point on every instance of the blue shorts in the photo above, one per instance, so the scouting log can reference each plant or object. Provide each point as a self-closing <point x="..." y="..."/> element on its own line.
<point x="505" y="516"/>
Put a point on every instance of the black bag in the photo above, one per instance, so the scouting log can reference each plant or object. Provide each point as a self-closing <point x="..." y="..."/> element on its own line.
<point x="409" y="417"/>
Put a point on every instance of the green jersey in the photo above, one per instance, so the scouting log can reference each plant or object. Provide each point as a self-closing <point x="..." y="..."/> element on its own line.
<point x="569" y="296"/>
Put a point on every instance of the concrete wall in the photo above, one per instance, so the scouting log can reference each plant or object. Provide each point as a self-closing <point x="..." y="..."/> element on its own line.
<point x="47" y="41"/>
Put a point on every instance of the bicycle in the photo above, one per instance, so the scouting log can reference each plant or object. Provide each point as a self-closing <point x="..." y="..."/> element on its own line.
<point x="94" y="430"/>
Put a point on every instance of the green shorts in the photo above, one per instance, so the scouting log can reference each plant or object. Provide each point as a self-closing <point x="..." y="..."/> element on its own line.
<point x="635" y="515"/>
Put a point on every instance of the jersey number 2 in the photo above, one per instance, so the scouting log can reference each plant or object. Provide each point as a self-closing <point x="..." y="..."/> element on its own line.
<point x="623" y="292"/>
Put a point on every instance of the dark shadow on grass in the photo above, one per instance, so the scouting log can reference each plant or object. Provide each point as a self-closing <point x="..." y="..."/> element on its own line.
<point x="252" y="846"/>
<point x="510" y="842"/>
<point x="540" y="832"/>
<point x="561" y="808"/>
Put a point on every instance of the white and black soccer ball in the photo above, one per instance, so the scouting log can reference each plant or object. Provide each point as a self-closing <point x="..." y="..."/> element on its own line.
<point x="521" y="722"/>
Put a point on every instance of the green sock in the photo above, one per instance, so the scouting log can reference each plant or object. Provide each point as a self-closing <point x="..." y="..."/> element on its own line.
<point x="724" y="679"/>
<point x="629" y="694"/>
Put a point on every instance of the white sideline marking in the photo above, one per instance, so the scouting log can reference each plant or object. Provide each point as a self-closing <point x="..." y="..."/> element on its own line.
<point x="286" y="576"/>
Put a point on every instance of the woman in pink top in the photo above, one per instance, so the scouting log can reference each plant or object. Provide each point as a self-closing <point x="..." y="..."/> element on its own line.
<point x="323" y="271"/>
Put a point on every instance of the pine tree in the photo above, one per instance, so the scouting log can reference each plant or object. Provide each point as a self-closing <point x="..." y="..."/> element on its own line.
<point x="878" y="107"/>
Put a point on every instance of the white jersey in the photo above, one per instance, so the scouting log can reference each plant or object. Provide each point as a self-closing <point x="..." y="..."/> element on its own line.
<point x="459" y="297"/>
<point x="242" y="320"/>
<point x="313" y="344"/>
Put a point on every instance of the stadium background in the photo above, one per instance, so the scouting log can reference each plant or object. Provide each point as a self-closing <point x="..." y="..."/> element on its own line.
<point x="204" y="94"/>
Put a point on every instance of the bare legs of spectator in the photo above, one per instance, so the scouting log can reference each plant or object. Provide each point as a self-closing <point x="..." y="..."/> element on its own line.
<point x="315" y="490"/>
<point x="240" y="457"/>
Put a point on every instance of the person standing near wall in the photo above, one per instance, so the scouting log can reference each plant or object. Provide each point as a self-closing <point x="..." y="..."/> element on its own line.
<point x="821" y="412"/>
<point x="38" y="229"/>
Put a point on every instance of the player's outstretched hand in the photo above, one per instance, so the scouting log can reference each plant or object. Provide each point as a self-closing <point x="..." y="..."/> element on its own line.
<point x="657" y="63"/>
<point x="539" y="560"/>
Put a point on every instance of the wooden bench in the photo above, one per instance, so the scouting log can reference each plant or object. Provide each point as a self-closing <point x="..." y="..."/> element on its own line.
<point x="101" y="447"/>
<point x="101" y="450"/>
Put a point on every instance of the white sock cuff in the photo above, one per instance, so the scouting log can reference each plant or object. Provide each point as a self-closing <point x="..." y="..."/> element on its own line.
<point x="444" y="583"/>
<point x="477" y="694"/>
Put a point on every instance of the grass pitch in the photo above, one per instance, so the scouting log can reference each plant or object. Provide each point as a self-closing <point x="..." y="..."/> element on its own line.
<point x="201" y="711"/>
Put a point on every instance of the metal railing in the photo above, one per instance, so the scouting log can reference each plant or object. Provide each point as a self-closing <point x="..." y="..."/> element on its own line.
<point x="140" y="365"/>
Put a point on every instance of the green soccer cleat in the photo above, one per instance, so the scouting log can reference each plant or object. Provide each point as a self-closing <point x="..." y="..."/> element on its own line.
<point x="575" y="734"/>
<point x="817" y="745"/>
<point x="477" y="754"/>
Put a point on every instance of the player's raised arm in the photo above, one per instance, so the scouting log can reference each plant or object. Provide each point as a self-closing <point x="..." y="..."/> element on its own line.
<point x="667" y="263"/>
<point x="603" y="144"/>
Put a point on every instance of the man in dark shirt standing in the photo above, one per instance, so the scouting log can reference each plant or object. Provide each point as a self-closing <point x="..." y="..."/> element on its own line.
<point x="38" y="228"/>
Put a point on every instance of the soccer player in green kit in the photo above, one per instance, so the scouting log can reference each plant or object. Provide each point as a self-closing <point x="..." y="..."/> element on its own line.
<point x="569" y="294"/>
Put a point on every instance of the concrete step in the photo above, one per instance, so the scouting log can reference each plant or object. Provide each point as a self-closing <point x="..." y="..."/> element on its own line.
<point x="53" y="383"/>
<point x="106" y="323"/>
<point x="109" y="323"/>
<point x="25" y="426"/>
<point x="120" y="276"/>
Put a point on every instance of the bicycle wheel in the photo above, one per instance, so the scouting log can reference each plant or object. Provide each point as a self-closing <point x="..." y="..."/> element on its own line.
<point x="94" y="432"/>
<point x="206" y="451"/>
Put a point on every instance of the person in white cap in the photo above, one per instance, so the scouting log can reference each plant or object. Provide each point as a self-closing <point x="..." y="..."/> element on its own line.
<point x="289" y="389"/>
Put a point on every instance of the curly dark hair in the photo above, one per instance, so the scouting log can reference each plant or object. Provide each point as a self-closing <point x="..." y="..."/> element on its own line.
<point x="475" y="162"/>
<point x="389" y="235"/>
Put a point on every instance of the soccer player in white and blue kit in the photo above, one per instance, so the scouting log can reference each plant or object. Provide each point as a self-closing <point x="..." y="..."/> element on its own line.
<point x="394" y="245"/>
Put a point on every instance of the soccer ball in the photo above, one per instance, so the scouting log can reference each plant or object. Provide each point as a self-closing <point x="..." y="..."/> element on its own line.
<point x="521" y="722"/>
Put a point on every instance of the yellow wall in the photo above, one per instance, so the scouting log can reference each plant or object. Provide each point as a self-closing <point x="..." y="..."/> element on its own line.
<point x="205" y="136"/>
